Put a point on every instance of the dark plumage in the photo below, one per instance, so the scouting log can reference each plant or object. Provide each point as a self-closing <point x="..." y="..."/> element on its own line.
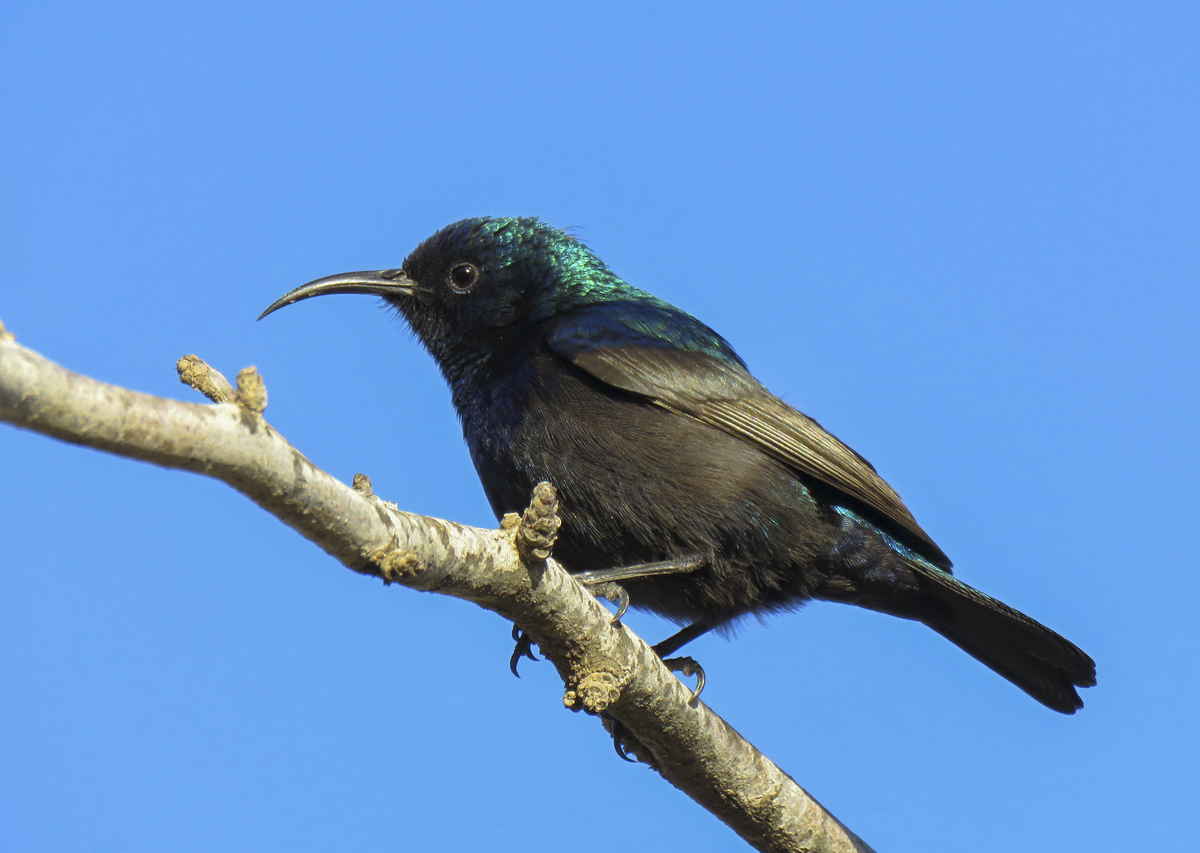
<point x="662" y="445"/>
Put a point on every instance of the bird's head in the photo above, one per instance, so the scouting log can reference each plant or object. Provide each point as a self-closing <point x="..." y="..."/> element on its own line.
<point x="479" y="277"/>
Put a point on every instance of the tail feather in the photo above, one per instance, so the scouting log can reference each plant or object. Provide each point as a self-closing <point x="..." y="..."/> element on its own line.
<point x="1044" y="664"/>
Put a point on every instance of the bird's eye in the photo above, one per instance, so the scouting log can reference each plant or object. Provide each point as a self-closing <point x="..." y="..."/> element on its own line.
<point x="463" y="277"/>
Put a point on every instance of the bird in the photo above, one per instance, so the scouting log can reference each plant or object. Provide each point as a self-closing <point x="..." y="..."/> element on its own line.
<point x="666" y="451"/>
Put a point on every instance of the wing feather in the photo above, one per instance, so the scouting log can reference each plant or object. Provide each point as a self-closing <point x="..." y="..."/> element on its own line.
<point x="640" y="353"/>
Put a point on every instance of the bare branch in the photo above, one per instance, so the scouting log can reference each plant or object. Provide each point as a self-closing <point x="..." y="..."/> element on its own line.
<point x="208" y="381"/>
<point x="605" y="667"/>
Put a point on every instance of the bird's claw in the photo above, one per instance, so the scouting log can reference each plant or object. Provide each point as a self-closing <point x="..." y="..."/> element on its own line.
<point x="620" y="736"/>
<point x="627" y="747"/>
<point x="624" y="743"/>
<point x="615" y="594"/>
<point x="523" y="649"/>
<point x="687" y="667"/>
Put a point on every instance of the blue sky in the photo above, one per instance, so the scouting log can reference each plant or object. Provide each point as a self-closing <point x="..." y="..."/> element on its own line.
<point x="962" y="236"/>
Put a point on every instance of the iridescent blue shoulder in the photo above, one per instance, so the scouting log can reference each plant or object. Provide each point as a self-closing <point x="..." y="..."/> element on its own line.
<point x="637" y="323"/>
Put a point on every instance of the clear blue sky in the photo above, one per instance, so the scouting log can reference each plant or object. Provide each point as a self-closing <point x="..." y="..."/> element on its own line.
<point x="962" y="236"/>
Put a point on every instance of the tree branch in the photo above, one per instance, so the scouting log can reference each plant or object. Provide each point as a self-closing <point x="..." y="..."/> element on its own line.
<point x="605" y="667"/>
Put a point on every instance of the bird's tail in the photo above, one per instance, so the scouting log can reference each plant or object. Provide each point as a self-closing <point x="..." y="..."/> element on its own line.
<point x="1044" y="664"/>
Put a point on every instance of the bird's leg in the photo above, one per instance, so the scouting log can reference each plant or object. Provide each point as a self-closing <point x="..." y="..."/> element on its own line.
<point x="603" y="582"/>
<point x="674" y="566"/>
<point x="678" y="640"/>
<point x="536" y="533"/>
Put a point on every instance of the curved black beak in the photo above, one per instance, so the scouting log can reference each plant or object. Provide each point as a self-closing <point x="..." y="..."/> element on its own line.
<point x="377" y="283"/>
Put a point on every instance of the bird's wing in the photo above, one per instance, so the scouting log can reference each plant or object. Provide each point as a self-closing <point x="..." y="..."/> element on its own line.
<point x="678" y="363"/>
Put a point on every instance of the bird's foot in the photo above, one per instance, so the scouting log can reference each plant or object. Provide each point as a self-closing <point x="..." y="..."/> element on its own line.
<point x="687" y="667"/>
<point x="627" y="747"/>
<point x="613" y="593"/>
<point x="683" y="665"/>
<point x="603" y="582"/>
<point x="523" y="649"/>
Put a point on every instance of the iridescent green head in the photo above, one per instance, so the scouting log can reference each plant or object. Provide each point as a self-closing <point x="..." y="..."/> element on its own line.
<point x="510" y="269"/>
